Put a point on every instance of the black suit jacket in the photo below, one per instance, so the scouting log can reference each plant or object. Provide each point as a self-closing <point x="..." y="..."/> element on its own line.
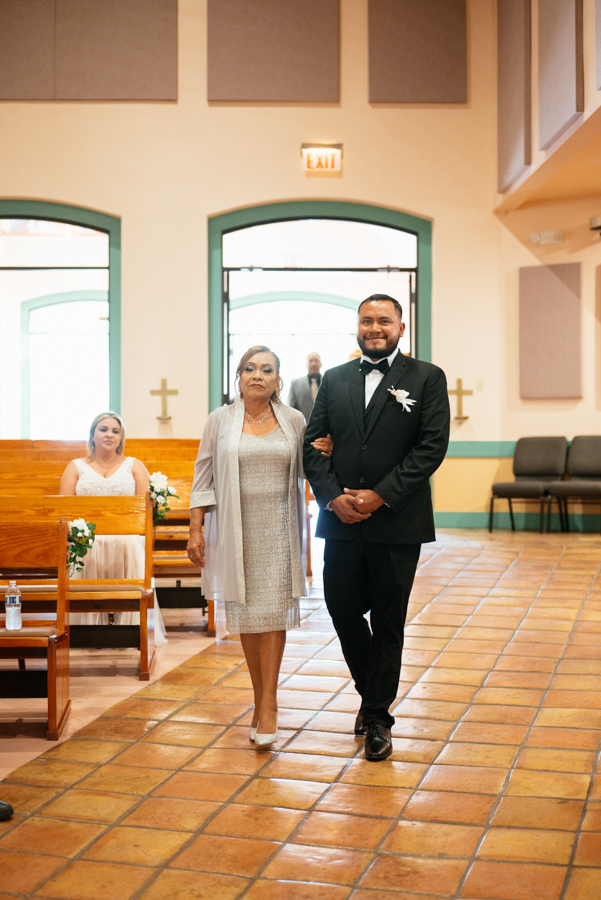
<point x="391" y="451"/>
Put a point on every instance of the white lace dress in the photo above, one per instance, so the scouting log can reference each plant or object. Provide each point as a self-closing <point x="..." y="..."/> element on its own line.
<point x="113" y="556"/>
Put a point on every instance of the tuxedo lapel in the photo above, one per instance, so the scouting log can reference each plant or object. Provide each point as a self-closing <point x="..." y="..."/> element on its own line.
<point x="390" y="380"/>
<point x="356" y="385"/>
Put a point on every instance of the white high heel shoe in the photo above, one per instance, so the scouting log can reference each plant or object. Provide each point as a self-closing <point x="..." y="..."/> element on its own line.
<point x="252" y="733"/>
<point x="264" y="739"/>
<point x="261" y="739"/>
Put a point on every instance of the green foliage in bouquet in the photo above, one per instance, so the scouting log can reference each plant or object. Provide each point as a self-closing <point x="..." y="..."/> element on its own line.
<point x="81" y="538"/>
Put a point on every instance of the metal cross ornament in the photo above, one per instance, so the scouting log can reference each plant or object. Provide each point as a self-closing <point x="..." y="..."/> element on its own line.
<point x="163" y="394"/>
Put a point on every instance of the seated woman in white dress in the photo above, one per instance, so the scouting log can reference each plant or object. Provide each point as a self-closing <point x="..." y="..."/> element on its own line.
<point x="105" y="471"/>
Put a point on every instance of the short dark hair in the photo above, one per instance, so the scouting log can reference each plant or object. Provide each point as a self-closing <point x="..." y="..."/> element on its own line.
<point x="374" y="299"/>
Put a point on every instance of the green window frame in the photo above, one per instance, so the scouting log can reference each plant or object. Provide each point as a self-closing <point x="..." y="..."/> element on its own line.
<point x="88" y="218"/>
<point x="312" y="209"/>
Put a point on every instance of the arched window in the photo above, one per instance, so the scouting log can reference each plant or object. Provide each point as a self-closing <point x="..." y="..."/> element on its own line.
<point x="59" y="320"/>
<point x="291" y="275"/>
<point x="296" y="286"/>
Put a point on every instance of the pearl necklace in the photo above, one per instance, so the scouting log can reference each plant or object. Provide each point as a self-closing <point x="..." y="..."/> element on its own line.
<point x="259" y="421"/>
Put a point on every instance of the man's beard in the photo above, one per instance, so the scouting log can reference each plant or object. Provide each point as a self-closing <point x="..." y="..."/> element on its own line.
<point x="378" y="354"/>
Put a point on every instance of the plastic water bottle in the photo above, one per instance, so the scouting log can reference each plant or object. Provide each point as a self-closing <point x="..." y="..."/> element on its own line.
<point x="12" y="600"/>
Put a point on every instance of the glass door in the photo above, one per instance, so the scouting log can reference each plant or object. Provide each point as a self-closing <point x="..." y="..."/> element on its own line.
<point x="279" y="290"/>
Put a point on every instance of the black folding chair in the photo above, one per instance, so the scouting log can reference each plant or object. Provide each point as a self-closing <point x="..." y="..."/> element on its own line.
<point x="584" y="471"/>
<point x="537" y="462"/>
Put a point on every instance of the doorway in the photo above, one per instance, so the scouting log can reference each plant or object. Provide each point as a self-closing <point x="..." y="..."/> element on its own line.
<point x="292" y="275"/>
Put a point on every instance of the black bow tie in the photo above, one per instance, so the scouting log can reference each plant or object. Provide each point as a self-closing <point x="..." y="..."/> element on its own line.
<point x="367" y="367"/>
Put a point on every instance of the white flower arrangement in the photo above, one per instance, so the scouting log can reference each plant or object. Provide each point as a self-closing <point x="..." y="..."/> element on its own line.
<point x="402" y="397"/>
<point x="160" y="492"/>
<point x="81" y="538"/>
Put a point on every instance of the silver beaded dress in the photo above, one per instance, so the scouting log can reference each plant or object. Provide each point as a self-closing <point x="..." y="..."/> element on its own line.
<point x="264" y="466"/>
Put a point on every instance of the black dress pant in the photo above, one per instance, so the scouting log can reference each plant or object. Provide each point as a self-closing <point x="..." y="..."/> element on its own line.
<point x="361" y="577"/>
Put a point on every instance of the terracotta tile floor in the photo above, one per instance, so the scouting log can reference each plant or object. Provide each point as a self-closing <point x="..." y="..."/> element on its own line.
<point x="493" y="791"/>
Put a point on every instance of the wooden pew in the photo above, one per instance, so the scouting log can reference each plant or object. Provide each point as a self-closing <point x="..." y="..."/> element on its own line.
<point x="30" y="548"/>
<point x="38" y="472"/>
<point x="171" y="538"/>
<point x="115" y="516"/>
<point x="32" y="468"/>
<point x="141" y="448"/>
<point x="25" y="486"/>
<point x="309" y="496"/>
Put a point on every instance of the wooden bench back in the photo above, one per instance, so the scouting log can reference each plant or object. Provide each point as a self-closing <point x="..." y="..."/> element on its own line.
<point x="33" y="468"/>
<point x="30" y="545"/>
<point x="183" y="487"/>
<point x="111" y="515"/>
<point x="22" y="485"/>
<point x="141" y="448"/>
<point x="34" y="456"/>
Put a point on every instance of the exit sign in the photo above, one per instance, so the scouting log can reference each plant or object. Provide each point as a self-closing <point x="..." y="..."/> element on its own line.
<point x="322" y="158"/>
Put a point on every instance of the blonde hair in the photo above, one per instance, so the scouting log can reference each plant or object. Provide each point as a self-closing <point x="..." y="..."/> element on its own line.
<point x="275" y="397"/>
<point x="105" y="415"/>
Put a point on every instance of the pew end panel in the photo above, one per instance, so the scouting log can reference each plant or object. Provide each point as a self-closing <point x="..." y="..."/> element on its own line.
<point x="30" y="548"/>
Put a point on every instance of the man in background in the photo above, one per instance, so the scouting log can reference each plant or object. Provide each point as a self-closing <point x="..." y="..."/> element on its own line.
<point x="303" y="390"/>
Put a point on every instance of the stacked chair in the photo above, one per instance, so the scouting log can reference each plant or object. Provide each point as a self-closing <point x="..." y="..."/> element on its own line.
<point x="537" y="463"/>
<point x="584" y="473"/>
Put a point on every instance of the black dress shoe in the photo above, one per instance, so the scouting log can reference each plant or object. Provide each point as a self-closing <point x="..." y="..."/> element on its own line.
<point x="6" y="811"/>
<point x="378" y="743"/>
<point x="360" y="728"/>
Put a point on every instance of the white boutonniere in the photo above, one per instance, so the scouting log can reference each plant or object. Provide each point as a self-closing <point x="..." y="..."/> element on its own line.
<point x="402" y="397"/>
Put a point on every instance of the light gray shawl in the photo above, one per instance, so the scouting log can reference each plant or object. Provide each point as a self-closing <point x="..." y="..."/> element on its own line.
<point x="216" y="486"/>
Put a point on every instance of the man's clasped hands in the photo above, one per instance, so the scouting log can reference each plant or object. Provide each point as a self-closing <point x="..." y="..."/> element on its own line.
<point x="355" y="506"/>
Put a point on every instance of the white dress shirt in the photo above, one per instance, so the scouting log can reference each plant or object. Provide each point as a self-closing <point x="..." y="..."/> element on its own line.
<point x="373" y="379"/>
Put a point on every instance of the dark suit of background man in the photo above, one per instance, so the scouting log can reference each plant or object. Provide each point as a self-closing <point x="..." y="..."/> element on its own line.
<point x="303" y="390"/>
<point x="375" y="503"/>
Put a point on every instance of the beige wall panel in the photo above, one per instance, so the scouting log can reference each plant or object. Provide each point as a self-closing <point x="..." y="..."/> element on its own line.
<point x="560" y="67"/>
<point x="514" y="90"/>
<point x="550" y="332"/>
<point x="116" y="49"/>
<point x="273" y="50"/>
<point x="26" y="49"/>
<point x="417" y="51"/>
<point x="165" y="168"/>
<point x="463" y="485"/>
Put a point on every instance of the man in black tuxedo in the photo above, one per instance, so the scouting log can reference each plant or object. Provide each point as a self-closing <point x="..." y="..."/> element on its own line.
<point x="389" y="417"/>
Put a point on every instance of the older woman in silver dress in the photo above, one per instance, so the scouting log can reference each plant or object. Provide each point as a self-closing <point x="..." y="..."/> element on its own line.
<point x="247" y="491"/>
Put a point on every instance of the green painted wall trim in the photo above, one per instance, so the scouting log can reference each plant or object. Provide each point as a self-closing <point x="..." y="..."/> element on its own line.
<point x="312" y="209"/>
<point x="481" y="448"/>
<point x="89" y="218"/>
<point x="26" y="307"/>
<point x="308" y="296"/>
<point x="524" y="521"/>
